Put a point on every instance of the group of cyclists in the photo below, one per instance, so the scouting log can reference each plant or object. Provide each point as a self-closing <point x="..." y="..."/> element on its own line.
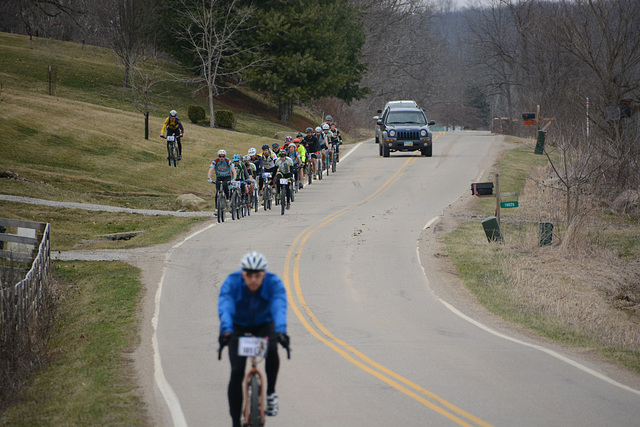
<point x="277" y="161"/>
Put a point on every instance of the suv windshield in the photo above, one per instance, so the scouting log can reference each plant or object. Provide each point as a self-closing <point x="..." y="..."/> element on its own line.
<point x="406" y="117"/>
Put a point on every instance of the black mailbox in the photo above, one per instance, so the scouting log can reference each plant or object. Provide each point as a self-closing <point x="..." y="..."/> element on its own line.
<point x="482" y="188"/>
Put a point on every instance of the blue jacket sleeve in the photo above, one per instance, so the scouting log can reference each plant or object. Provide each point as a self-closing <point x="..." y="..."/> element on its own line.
<point x="279" y="305"/>
<point x="226" y="305"/>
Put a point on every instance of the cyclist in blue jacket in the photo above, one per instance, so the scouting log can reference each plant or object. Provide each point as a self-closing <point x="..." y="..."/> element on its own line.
<point x="252" y="300"/>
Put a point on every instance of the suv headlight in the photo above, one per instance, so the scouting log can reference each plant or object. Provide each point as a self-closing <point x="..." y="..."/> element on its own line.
<point x="423" y="133"/>
<point x="392" y="133"/>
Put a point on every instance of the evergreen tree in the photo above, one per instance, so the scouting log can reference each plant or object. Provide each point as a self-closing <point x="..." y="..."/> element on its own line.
<point x="311" y="49"/>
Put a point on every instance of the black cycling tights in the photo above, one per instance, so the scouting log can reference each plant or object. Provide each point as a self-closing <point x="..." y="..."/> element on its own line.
<point x="238" y="364"/>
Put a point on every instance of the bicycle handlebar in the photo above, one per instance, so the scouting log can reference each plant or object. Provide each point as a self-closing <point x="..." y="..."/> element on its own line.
<point x="223" y="346"/>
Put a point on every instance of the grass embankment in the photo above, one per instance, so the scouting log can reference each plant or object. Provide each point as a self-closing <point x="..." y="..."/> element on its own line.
<point x="583" y="290"/>
<point x="85" y="143"/>
<point x="88" y="382"/>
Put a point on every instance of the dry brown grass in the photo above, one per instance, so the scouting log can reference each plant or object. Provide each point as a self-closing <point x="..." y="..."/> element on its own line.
<point x="581" y="281"/>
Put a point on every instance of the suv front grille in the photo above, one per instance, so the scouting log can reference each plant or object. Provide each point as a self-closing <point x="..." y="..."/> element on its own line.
<point x="408" y="135"/>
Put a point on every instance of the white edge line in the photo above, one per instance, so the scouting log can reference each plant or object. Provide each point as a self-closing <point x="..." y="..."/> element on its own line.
<point x="170" y="397"/>
<point x="524" y="343"/>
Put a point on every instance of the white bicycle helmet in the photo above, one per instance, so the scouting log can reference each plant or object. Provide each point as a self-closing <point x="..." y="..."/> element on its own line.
<point x="173" y="113"/>
<point x="325" y="126"/>
<point x="253" y="261"/>
<point x="222" y="152"/>
<point x="318" y="129"/>
<point x="252" y="151"/>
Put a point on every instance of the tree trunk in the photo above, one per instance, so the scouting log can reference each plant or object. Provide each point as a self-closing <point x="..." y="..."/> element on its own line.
<point x="283" y="112"/>
<point x="211" y="123"/>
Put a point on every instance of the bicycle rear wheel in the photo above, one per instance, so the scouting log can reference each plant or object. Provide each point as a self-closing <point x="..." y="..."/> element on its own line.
<point x="309" y="169"/>
<point x="253" y="400"/>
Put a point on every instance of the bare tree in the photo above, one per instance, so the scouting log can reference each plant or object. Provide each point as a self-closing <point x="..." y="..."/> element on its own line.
<point x="211" y="29"/>
<point x="125" y="25"/>
<point x="603" y="36"/>
<point x="35" y="13"/>
<point x="147" y="76"/>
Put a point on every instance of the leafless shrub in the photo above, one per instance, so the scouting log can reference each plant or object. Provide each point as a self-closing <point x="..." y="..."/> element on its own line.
<point x="22" y="350"/>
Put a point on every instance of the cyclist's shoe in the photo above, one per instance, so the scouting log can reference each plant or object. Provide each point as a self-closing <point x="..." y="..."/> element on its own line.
<point x="272" y="405"/>
<point x="300" y="186"/>
<point x="288" y="205"/>
<point x="179" y="157"/>
<point x="315" y="176"/>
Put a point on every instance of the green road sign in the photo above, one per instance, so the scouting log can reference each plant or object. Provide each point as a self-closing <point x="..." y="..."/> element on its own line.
<point x="505" y="205"/>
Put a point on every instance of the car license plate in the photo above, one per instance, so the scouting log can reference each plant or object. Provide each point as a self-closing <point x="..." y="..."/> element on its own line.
<point x="408" y="143"/>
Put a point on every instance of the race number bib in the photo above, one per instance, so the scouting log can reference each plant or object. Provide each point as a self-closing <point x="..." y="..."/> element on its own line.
<point x="252" y="346"/>
<point x="284" y="181"/>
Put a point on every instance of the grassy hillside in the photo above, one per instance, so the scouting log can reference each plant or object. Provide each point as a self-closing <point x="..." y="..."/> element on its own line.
<point x="86" y="143"/>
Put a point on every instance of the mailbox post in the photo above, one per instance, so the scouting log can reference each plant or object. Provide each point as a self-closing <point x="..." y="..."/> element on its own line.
<point x="492" y="224"/>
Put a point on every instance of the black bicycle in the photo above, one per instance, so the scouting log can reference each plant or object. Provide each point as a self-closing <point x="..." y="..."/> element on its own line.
<point x="235" y="200"/>
<point x="172" y="144"/>
<point x="266" y="191"/>
<point x="308" y="169"/>
<point x="220" y="201"/>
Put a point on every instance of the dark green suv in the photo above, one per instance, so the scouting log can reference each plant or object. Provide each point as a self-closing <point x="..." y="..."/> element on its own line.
<point x="405" y="129"/>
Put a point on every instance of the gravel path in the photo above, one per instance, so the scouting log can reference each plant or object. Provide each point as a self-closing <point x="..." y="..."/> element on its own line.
<point x="103" y="208"/>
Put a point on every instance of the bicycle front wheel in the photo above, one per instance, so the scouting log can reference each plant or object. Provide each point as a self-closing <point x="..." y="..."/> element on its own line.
<point x="253" y="400"/>
<point x="220" y="205"/>
<point x="255" y="199"/>
<point x="283" y="201"/>
<point x="234" y="206"/>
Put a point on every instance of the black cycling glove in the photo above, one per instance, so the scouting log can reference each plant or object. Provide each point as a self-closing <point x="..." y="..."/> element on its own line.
<point x="283" y="339"/>
<point x="224" y="339"/>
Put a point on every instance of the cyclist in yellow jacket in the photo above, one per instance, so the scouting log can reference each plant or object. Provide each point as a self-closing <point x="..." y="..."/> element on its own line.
<point x="173" y="126"/>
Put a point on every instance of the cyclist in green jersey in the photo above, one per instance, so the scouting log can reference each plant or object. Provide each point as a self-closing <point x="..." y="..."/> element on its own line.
<point x="302" y="151"/>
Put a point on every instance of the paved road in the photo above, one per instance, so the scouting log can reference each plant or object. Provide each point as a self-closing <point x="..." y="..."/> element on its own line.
<point x="372" y="343"/>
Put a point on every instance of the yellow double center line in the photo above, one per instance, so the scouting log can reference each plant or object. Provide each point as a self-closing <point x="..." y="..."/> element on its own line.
<point x="317" y="329"/>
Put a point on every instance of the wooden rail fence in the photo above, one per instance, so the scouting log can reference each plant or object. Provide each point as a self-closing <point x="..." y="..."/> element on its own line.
<point x="24" y="302"/>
